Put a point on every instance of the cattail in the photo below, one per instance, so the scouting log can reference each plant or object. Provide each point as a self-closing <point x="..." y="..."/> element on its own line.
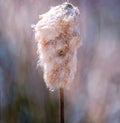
<point x="58" y="38"/>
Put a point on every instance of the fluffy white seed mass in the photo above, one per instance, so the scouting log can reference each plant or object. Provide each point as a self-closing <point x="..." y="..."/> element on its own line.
<point x="58" y="38"/>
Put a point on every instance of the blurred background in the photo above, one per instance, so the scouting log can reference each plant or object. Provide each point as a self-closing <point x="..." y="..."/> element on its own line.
<point x="94" y="96"/>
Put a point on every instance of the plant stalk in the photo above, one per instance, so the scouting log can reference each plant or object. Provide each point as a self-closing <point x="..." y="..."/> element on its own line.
<point x="61" y="105"/>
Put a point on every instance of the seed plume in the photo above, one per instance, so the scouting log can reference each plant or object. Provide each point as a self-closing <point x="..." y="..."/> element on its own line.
<point x="58" y="38"/>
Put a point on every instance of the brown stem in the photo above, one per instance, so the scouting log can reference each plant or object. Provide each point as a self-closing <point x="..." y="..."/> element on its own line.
<point x="61" y="105"/>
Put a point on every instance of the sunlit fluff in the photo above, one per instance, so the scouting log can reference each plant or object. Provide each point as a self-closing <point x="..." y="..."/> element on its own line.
<point x="58" y="38"/>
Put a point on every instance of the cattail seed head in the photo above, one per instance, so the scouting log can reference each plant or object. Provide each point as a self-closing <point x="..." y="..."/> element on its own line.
<point x="58" y="38"/>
